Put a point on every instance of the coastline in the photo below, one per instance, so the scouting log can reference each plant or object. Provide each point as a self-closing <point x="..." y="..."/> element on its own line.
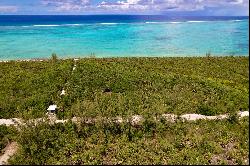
<point x="122" y="57"/>
<point x="123" y="89"/>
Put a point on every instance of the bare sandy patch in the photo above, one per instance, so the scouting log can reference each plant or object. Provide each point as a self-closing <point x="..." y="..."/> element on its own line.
<point x="9" y="151"/>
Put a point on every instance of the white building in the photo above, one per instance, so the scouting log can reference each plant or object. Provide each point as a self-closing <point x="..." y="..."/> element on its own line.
<point x="52" y="108"/>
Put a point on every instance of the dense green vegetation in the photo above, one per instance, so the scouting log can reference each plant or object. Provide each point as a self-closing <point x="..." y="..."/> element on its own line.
<point x="201" y="142"/>
<point x="125" y="86"/>
<point x="158" y="85"/>
<point x="28" y="88"/>
<point x="7" y="134"/>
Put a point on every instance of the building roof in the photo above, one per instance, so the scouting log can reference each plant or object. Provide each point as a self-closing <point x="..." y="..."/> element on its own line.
<point x="52" y="107"/>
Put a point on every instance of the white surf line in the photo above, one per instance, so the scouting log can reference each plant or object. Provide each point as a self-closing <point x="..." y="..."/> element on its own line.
<point x="134" y="120"/>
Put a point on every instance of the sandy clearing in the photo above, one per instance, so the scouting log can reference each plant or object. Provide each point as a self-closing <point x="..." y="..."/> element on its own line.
<point x="9" y="151"/>
<point x="134" y="120"/>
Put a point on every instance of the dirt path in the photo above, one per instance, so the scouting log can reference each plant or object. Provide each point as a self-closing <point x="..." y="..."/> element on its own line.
<point x="9" y="151"/>
<point x="11" y="148"/>
<point x="134" y="120"/>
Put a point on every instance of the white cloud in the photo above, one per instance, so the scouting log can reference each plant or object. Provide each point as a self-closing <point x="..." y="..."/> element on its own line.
<point x="67" y="5"/>
<point x="8" y="9"/>
<point x="135" y="5"/>
<point x="143" y="5"/>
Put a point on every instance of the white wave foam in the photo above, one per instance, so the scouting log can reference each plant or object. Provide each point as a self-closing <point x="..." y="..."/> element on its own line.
<point x="149" y="22"/>
<point x="57" y="25"/>
<point x="174" y="22"/>
<point x="171" y="22"/>
<point x="46" y="25"/>
<point x="237" y="20"/>
<point x="196" y="21"/>
<point x="72" y="24"/>
<point x="108" y="23"/>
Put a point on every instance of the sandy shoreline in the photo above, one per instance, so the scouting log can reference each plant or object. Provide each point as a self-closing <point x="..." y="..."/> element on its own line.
<point x="24" y="60"/>
<point x="74" y="58"/>
<point x="31" y="60"/>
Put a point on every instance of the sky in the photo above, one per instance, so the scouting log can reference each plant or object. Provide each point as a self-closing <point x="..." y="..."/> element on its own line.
<point x="145" y="7"/>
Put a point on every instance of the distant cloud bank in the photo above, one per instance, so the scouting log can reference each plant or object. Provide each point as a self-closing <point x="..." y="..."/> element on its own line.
<point x="213" y="7"/>
<point x="11" y="9"/>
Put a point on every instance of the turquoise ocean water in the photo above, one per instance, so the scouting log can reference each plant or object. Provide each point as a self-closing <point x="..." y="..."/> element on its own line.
<point x="22" y="38"/>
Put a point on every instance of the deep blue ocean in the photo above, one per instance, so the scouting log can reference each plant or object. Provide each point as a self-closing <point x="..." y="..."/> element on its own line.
<point x="27" y="37"/>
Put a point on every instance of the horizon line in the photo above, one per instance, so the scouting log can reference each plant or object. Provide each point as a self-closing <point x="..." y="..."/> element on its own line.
<point x="122" y="15"/>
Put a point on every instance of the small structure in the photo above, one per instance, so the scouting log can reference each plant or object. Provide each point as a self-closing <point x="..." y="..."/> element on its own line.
<point x="63" y="92"/>
<point x="52" y="109"/>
